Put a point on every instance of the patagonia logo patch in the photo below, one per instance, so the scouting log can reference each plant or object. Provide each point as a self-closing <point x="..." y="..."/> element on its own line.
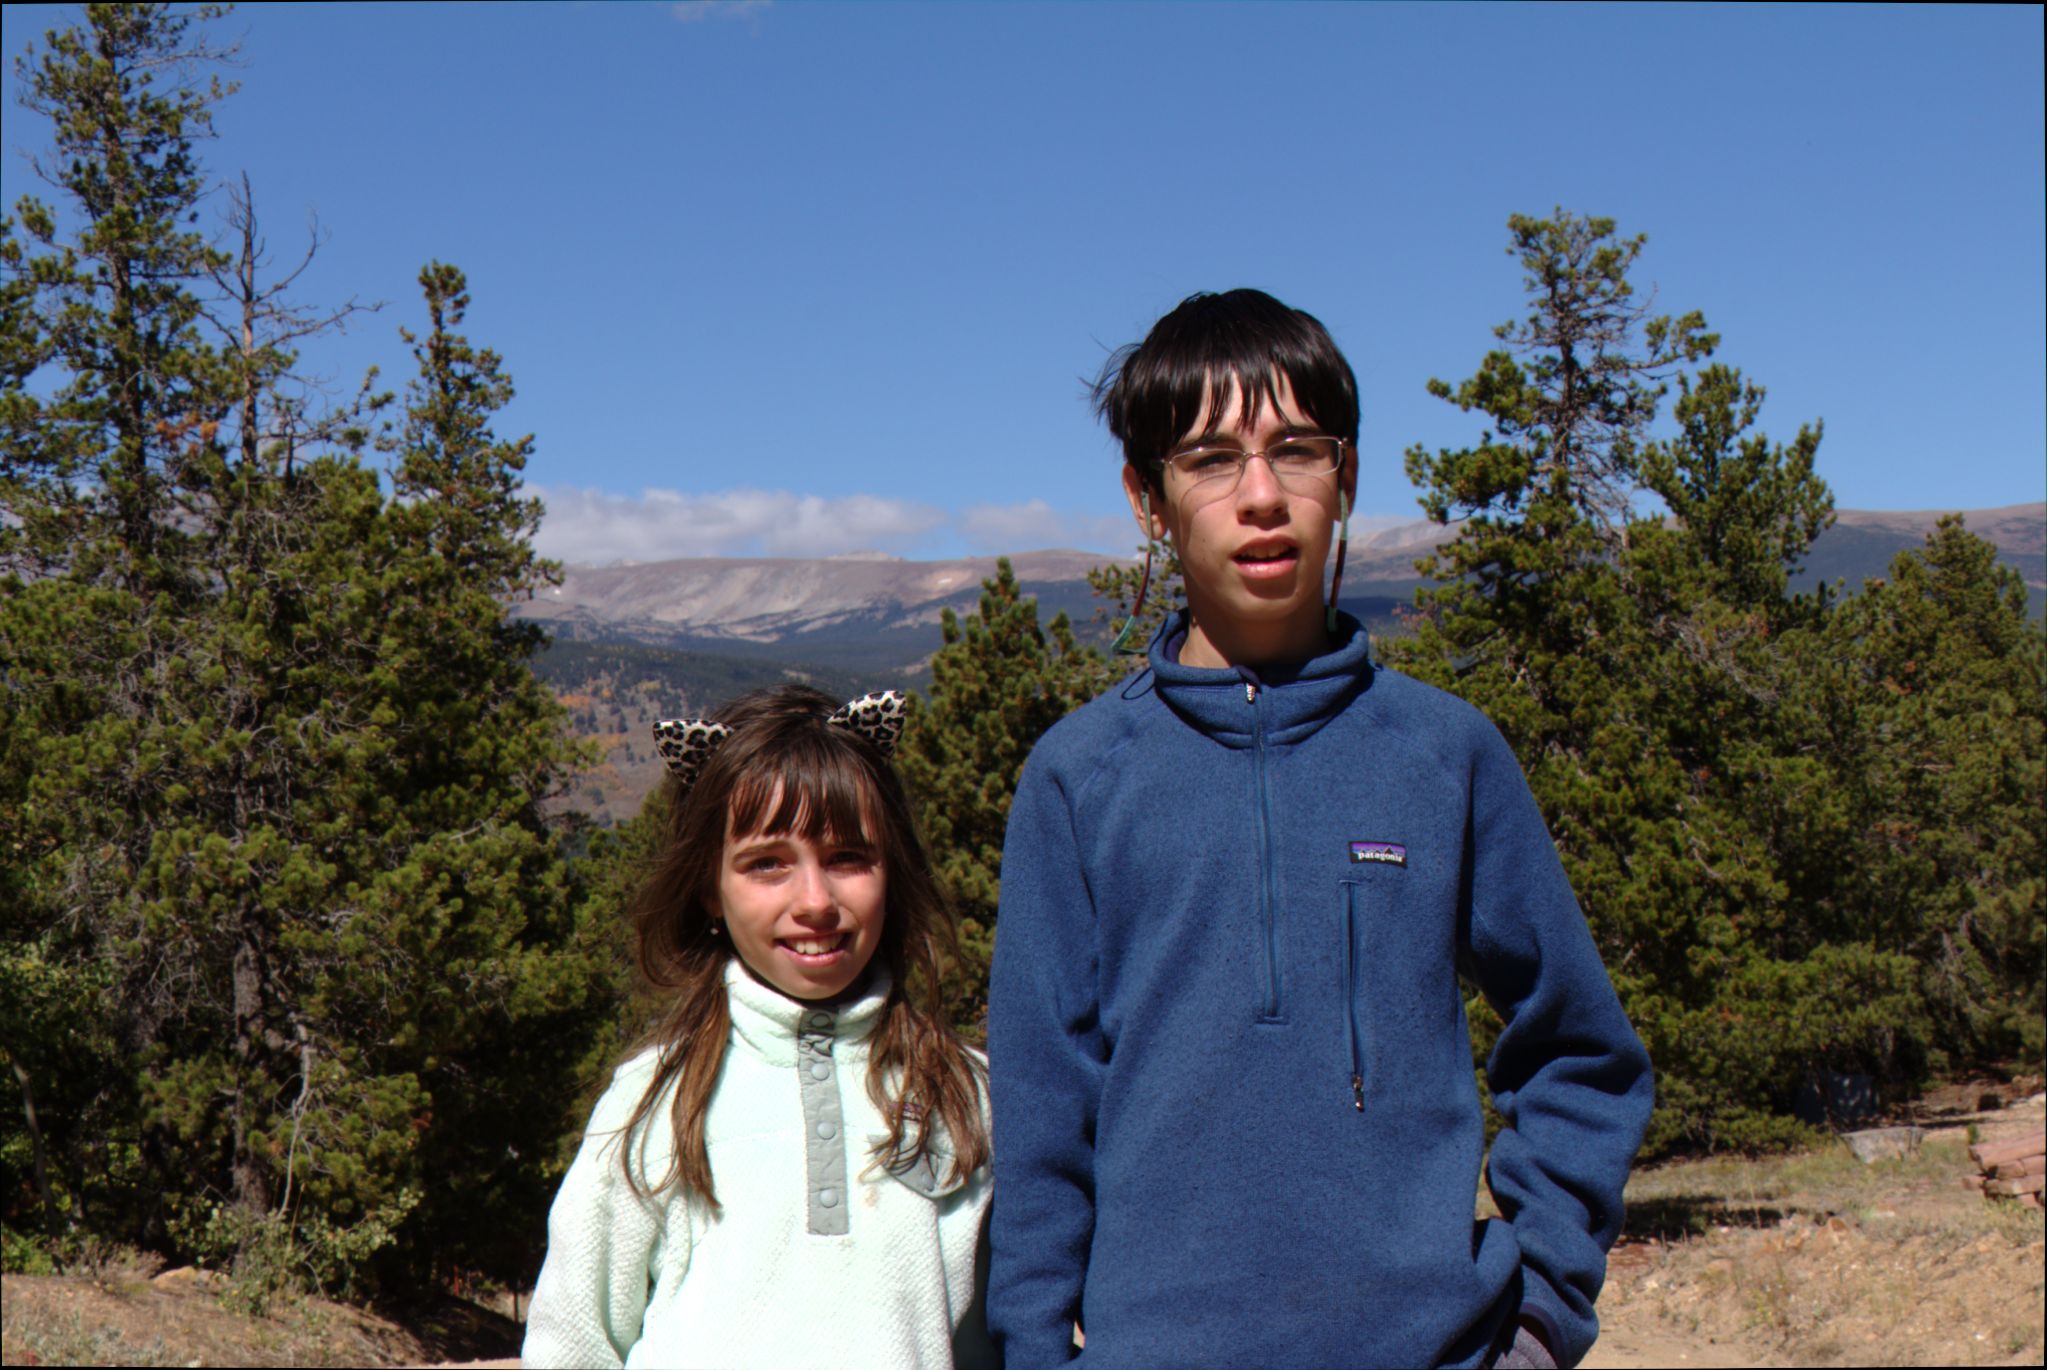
<point x="1385" y="853"/>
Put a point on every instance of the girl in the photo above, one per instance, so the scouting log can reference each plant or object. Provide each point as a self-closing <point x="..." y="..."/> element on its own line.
<point x="793" y="1170"/>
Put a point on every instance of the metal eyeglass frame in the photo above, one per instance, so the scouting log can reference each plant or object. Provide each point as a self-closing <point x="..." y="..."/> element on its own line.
<point x="1213" y="486"/>
<point x="1124" y="643"/>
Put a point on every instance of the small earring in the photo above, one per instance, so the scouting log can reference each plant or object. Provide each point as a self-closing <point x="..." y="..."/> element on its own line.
<point x="715" y="927"/>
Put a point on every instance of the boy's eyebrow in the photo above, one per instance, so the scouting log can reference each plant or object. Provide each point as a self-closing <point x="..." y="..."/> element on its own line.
<point x="1214" y="435"/>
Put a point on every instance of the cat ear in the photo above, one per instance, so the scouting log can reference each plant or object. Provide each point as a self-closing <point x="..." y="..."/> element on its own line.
<point x="877" y="717"/>
<point x="686" y="744"/>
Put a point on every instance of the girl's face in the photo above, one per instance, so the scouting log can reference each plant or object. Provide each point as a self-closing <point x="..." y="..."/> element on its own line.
<point x="805" y="916"/>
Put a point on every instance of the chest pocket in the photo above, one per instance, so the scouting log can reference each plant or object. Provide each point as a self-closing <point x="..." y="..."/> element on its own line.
<point x="1403" y="1027"/>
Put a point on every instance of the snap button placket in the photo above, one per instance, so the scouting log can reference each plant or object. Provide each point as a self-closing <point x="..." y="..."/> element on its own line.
<point x="824" y="1150"/>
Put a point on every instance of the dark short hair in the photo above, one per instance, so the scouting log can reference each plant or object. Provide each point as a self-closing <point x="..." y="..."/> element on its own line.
<point x="1150" y="393"/>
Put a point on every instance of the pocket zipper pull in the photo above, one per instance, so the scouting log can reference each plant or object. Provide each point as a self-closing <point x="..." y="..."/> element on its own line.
<point x="1357" y="1089"/>
<point x="1250" y="693"/>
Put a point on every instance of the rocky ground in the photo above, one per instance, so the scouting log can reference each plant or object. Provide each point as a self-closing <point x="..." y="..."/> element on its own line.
<point x="1818" y="1259"/>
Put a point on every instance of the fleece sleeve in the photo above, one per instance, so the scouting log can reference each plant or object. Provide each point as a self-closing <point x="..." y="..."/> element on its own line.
<point x="592" y="1294"/>
<point x="1568" y="1075"/>
<point x="1046" y="1060"/>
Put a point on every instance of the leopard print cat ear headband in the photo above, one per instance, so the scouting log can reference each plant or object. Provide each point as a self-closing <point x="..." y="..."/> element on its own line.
<point x="686" y="744"/>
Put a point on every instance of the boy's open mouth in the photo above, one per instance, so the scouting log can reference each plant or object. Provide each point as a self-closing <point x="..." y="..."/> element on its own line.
<point x="814" y="948"/>
<point x="1268" y="558"/>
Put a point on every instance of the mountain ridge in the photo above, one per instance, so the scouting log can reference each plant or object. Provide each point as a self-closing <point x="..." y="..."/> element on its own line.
<point x="865" y="609"/>
<point x="633" y="643"/>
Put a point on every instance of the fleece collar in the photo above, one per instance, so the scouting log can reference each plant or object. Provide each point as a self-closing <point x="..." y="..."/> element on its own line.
<point x="1292" y="703"/>
<point x="768" y="1021"/>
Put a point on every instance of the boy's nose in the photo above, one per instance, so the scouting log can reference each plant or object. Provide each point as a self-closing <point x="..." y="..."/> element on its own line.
<point x="1258" y="487"/>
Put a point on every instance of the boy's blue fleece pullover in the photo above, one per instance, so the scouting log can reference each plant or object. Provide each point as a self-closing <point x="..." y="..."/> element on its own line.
<point x="1235" y="1117"/>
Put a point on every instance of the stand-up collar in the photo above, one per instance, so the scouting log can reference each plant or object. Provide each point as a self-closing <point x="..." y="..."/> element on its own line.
<point x="1294" y="701"/>
<point x="768" y="1021"/>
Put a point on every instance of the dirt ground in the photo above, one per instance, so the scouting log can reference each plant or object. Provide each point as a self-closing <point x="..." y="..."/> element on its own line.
<point x="1812" y="1259"/>
<point x="1818" y="1259"/>
<point x="124" y="1315"/>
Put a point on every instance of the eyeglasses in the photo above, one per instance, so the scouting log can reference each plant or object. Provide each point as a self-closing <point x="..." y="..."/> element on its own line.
<point x="1298" y="462"/>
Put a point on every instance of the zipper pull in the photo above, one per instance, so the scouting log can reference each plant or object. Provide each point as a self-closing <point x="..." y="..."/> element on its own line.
<point x="1357" y="1090"/>
<point x="1250" y="693"/>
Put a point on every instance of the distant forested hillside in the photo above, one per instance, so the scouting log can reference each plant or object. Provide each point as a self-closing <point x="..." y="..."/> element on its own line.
<point x="615" y="691"/>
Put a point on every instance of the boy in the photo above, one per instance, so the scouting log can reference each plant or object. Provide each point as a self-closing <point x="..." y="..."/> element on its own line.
<point x="1235" y="1117"/>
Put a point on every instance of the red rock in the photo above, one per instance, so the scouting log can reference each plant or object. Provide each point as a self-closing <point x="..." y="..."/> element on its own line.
<point x="1988" y="1154"/>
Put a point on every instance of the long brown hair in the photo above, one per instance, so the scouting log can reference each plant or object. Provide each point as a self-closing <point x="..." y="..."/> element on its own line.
<point x="824" y="783"/>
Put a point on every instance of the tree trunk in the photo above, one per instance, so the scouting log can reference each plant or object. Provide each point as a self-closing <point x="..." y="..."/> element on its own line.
<point x="251" y="1180"/>
<point x="35" y="1137"/>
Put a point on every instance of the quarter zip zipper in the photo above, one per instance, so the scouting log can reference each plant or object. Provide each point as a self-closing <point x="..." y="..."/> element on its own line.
<point x="1268" y="911"/>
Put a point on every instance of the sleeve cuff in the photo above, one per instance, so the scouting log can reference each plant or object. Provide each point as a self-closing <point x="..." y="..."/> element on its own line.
<point x="1544" y="1311"/>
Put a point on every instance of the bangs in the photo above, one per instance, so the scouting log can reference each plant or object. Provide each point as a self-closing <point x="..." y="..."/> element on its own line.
<point x="1181" y="378"/>
<point x="819" y="793"/>
<point x="1211" y="400"/>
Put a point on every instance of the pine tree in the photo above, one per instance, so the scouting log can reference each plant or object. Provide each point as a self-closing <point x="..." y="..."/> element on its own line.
<point x="997" y="684"/>
<point x="115" y="306"/>
<point x="505" y="986"/>
<point x="298" y="972"/>
<point x="103" y="570"/>
<point x="1951" y="679"/>
<point x="1747" y="510"/>
<point x="1634" y="661"/>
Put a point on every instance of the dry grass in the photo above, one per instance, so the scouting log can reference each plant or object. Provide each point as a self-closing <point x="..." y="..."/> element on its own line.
<point x="1818" y="1259"/>
<point x="68" y="1339"/>
<point x="122" y="1317"/>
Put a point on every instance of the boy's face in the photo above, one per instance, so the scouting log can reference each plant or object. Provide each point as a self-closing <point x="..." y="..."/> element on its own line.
<point x="1252" y="554"/>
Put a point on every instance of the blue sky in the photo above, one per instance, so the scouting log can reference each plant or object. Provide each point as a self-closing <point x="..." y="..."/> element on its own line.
<point x="810" y="278"/>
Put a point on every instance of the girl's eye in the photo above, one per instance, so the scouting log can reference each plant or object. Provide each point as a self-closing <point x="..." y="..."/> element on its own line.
<point x="852" y="859"/>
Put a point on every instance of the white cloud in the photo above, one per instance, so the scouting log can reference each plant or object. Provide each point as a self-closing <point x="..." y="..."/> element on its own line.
<point x="594" y="527"/>
<point x="1036" y="525"/>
